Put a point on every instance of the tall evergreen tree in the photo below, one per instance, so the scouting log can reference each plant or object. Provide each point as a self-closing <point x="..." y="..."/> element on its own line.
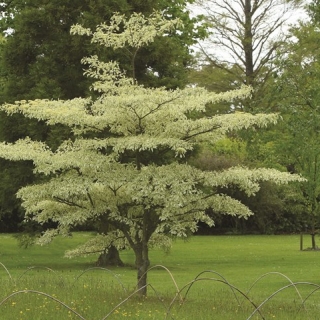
<point x="42" y="60"/>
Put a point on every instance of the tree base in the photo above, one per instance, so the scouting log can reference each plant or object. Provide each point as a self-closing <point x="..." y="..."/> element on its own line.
<point x="111" y="258"/>
<point x="312" y="249"/>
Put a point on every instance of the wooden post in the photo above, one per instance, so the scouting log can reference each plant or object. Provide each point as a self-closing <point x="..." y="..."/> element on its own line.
<point x="301" y="241"/>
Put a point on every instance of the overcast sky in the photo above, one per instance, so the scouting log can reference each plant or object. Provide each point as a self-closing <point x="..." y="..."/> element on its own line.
<point x="292" y="19"/>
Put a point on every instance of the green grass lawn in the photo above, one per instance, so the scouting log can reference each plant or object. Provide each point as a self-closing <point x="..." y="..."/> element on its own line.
<point x="230" y="261"/>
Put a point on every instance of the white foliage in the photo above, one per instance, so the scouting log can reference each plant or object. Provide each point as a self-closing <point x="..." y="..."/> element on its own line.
<point x="138" y="30"/>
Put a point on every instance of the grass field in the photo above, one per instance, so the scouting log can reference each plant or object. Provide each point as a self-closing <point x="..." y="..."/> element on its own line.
<point x="242" y="272"/>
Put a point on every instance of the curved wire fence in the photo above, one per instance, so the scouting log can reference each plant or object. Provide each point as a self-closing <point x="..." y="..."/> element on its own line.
<point x="180" y="296"/>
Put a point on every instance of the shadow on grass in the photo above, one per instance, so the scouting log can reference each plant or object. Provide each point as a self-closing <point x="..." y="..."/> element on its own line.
<point x="181" y="294"/>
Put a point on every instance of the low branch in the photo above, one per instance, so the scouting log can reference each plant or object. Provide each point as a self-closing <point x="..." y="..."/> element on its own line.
<point x="67" y="202"/>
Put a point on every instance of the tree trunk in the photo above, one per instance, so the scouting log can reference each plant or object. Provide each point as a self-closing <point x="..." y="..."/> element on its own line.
<point x="313" y="231"/>
<point x="142" y="265"/>
<point x="110" y="258"/>
<point x="313" y="241"/>
<point x="248" y="43"/>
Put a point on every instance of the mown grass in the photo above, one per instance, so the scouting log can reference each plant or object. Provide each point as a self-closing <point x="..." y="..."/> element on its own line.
<point x="58" y="288"/>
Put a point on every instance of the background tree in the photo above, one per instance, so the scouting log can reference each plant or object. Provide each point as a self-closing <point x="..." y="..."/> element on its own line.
<point x="214" y="79"/>
<point x="126" y="164"/>
<point x="245" y="37"/>
<point x="297" y="89"/>
<point x="277" y="209"/>
<point x="40" y="59"/>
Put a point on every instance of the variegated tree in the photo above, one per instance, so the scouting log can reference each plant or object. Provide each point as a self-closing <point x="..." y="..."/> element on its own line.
<point x="127" y="166"/>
